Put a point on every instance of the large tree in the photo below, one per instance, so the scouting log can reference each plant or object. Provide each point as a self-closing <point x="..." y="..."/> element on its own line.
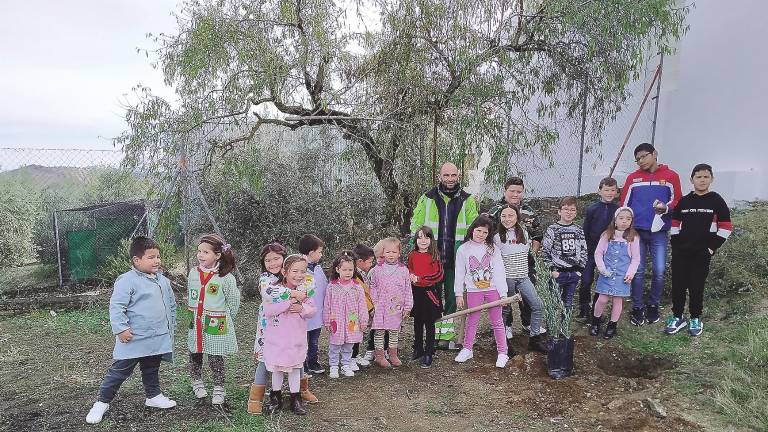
<point x="486" y="74"/>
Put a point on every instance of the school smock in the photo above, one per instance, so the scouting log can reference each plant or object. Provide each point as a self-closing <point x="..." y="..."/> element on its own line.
<point x="265" y="280"/>
<point x="391" y="293"/>
<point x="344" y="311"/>
<point x="619" y="258"/>
<point x="214" y="302"/>
<point x="479" y="268"/>
<point x="285" y="336"/>
<point x="315" y="285"/>
<point x="145" y="304"/>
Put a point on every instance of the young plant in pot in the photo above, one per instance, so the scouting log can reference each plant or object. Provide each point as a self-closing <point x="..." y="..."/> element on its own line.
<point x="558" y="322"/>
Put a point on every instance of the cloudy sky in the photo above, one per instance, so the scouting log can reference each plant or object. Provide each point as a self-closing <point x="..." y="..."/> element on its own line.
<point x="66" y="66"/>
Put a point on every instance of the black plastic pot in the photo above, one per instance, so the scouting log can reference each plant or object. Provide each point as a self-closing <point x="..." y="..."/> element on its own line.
<point x="560" y="358"/>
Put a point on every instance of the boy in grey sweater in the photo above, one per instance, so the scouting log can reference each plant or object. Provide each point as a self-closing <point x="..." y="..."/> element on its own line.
<point x="564" y="250"/>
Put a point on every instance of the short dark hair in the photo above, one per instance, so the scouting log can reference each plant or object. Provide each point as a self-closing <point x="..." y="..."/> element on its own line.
<point x="516" y="181"/>
<point x="608" y="181"/>
<point x="309" y="243"/>
<point x="648" y="147"/>
<point x="568" y="201"/>
<point x="702" y="167"/>
<point x="362" y="252"/>
<point x="140" y="245"/>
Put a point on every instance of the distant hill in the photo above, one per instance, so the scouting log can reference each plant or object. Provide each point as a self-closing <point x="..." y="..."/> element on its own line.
<point x="41" y="177"/>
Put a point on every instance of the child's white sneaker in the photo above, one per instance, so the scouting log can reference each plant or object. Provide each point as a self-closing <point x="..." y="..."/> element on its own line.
<point x="97" y="412"/>
<point x="361" y="361"/>
<point x="464" y="355"/>
<point x="368" y="357"/>
<point x="501" y="360"/>
<point x="353" y="365"/>
<point x="334" y="373"/>
<point x="218" y="396"/>
<point x="160" y="401"/>
<point x="199" y="389"/>
<point x="347" y="371"/>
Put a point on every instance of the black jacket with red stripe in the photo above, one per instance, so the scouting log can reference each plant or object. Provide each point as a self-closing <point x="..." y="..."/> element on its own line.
<point x="700" y="222"/>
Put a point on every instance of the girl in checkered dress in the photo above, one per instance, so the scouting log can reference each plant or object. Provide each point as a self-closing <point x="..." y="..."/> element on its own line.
<point x="214" y="300"/>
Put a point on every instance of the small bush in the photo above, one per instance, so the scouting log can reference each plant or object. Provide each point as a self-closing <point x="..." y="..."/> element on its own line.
<point x="17" y="217"/>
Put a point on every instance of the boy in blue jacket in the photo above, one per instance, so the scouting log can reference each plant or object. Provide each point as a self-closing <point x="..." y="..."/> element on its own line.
<point x="142" y="311"/>
<point x="598" y="216"/>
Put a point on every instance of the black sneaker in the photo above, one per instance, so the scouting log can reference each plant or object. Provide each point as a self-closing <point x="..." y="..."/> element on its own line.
<point x="610" y="330"/>
<point x="426" y="361"/>
<point x="316" y="369"/>
<point x="638" y="317"/>
<point x="652" y="314"/>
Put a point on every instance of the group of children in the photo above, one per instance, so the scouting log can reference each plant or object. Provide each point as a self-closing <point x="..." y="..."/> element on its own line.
<point x="372" y="288"/>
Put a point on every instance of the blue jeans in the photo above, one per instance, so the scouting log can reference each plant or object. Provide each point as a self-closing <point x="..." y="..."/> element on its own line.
<point x="567" y="282"/>
<point x="656" y="243"/>
<point x="313" y="337"/>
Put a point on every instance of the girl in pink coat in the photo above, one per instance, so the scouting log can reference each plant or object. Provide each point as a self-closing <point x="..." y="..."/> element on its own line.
<point x="285" y="339"/>
<point x="345" y="314"/>
<point x="392" y="300"/>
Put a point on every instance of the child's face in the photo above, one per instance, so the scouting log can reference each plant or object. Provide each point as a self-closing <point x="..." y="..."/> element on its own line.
<point x="149" y="262"/>
<point x="479" y="234"/>
<point x="391" y="253"/>
<point x="423" y="242"/>
<point x="206" y="256"/>
<point x="623" y="220"/>
<point x="316" y="255"/>
<point x="508" y="218"/>
<point x="567" y="213"/>
<point x="345" y="270"/>
<point x="365" y="264"/>
<point x="273" y="262"/>
<point x="607" y="193"/>
<point x="513" y="194"/>
<point x="701" y="181"/>
<point x="294" y="275"/>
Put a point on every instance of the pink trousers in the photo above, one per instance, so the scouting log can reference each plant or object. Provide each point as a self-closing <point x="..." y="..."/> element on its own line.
<point x="494" y="316"/>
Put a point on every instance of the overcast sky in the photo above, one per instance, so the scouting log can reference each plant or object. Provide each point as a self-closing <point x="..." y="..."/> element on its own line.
<point x="67" y="64"/>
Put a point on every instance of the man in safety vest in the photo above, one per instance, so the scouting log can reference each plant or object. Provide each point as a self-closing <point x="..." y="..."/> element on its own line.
<point x="449" y="211"/>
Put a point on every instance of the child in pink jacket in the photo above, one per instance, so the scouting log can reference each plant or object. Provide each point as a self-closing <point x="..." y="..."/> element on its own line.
<point x="345" y="314"/>
<point x="392" y="300"/>
<point x="285" y="338"/>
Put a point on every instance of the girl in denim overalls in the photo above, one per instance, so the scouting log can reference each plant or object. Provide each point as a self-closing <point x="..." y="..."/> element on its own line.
<point x="617" y="258"/>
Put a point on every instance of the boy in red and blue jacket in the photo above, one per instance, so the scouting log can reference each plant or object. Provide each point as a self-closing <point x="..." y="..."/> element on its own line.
<point x="652" y="192"/>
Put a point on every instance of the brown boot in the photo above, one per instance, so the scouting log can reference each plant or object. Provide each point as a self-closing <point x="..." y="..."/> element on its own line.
<point x="393" y="357"/>
<point x="296" y="405"/>
<point x="255" y="399"/>
<point x="378" y="355"/>
<point x="305" y="393"/>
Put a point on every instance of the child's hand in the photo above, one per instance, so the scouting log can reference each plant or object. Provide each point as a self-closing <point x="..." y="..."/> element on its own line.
<point x="298" y="295"/>
<point x="660" y="207"/>
<point x="406" y="312"/>
<point x="414" y="278"/>
<point x="628" y="278"/>
<point x="125" y="335"/>
<point x="607" y="273"/>
<point x="363" y="327"/>
<point x="459" y="302"/>
<point x="256" y="356"/>
<point x="295" y="308"/>
<point x="555" y="274"/>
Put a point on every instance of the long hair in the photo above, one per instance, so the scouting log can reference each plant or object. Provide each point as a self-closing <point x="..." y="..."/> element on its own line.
<point x="520" y="236"/>
<point x="432" y="249"/>
<point x="629" y="233"/>
<point x="342" y="257"/>
<point x="227" y="260"/>
<point x="273" y="247"/>
<point x="482" y="221"/>
<point x="287" y="264"/>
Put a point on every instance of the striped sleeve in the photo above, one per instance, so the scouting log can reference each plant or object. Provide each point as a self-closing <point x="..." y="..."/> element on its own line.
<point x="721" y="224"/>
<point x="676" y="220"/>
<point x="436" y="276"/>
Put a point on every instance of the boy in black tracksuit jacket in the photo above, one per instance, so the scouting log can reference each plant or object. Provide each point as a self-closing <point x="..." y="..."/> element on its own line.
<point x="701" y="222"/>
<point x="598" y="216"/>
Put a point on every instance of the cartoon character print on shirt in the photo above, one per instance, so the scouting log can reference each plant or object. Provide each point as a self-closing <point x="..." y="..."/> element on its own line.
<point x="481" y="270"/>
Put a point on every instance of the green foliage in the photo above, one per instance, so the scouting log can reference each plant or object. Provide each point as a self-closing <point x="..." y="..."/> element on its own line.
<point x="491" y="77"/>
<point x="121" y="262"/>
<point x="557" y="316"/>
<point x="17" y="217"/>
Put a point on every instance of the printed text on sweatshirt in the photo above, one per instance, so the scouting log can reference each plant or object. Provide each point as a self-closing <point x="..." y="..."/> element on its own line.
<point x="564" y="248"/>
<point x="700" y="222"/>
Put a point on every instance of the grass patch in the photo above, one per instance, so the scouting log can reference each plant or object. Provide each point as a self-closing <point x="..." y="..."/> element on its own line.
<point x="32" y="275"/>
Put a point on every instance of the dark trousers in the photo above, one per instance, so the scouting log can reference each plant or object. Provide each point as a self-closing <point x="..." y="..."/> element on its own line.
<point x="122" y="369"/>
<point x="587" y="278"/>
<point x="371" y="335"/>
<point x="567" y="282"/>
<point x="689" y="273"/>
<point x="215" y="362"/>
<point x="419" y="327"/>
<point x="313" y="338"/>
